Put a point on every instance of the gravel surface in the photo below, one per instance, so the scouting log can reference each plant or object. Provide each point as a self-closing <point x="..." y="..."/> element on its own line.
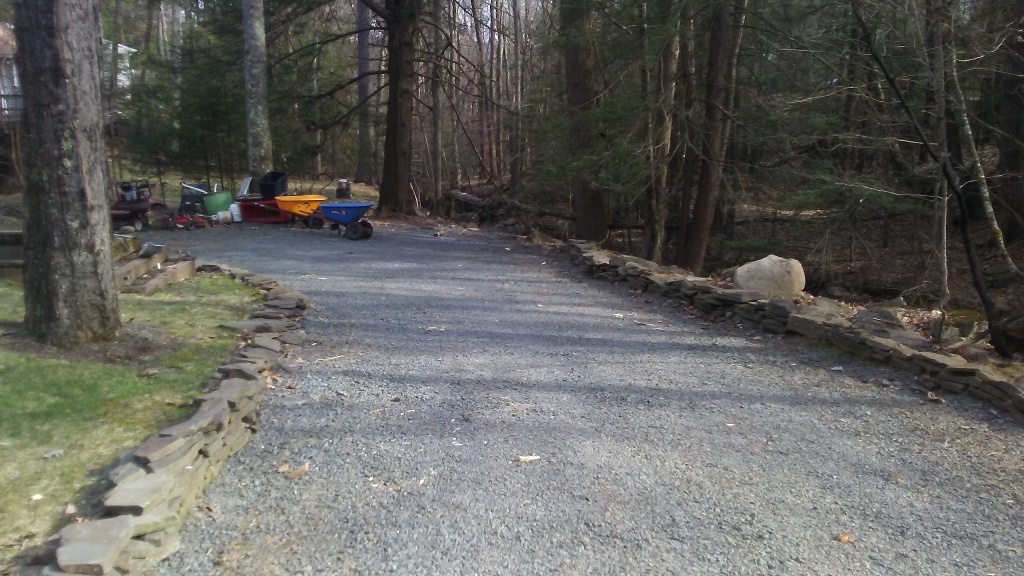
<point x="665" y="445"/>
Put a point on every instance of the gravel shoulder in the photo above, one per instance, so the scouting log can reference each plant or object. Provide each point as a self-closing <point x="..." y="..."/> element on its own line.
<point x="666" y="445"/>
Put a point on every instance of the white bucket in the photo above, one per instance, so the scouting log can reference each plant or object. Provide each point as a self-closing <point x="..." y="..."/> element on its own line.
<point x="224" y="217"/>
<point x="236" y="212"/>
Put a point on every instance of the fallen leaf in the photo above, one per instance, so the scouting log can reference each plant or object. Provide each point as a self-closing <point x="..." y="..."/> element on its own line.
<point x="836" y="368"/>
<point x="150" y="372"/>
<point x="530" y="458"/>
<point x="845" y="538"/>
<point x="932" y="397"/>
<point x="284" y="468"/>
<point x="897" y="477"/>
<point x="617" y="315"/>
<point x="36" y="497"/>
<point x="54" y="453"/>
<point x="298" y="472"/>
<point x="291" y="386"/>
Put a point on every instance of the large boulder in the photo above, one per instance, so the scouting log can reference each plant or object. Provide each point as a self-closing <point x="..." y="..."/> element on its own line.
<point x="773" y="276"/>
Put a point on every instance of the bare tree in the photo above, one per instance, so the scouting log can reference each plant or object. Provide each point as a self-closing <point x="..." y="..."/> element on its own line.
<point x="259" y="144"/>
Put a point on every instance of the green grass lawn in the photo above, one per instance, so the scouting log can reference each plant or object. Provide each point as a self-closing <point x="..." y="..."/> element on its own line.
<point x="92" y="410"/>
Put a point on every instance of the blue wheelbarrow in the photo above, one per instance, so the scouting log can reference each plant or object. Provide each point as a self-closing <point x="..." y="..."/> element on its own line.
<point x="348" y="215"/>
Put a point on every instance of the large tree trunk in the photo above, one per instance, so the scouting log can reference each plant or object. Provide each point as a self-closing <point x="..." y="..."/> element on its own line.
<point x="258" y="142"/>
<point x="588" y="201"/>
<point x="69" y="280"/>
<point x="396" y="186"/>
<point x="364" y="143"/>
<point x="699" y="229"/>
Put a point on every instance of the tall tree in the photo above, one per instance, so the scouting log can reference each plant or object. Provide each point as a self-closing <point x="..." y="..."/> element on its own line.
<point x="589" y="204"/>
<point x="661" y="129"/>
<point x="403" y="23"/>
<point x="259" y="144"/>
<point x="723" y="41"/>
<point x="364" y="141"/>
<point x="69" y="280"/>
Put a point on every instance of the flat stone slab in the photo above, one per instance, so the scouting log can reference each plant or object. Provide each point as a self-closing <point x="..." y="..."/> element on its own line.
<point x="262" y="325"/>
<point x="157" y="447"/>
<point x="138" y="496"/>
<point x="92" y="547"/>
<point x="266" y="342"/>
<point x="248" y="370"/>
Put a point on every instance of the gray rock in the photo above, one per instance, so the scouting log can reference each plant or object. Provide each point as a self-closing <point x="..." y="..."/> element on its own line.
<point x="267" y="343"/>
<point x="138" y="496"/>
<point x="773" y="276"/>
<point x="92" y="547"/>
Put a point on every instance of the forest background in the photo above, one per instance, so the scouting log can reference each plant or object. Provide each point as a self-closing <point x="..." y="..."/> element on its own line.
<point x="856" y="136"/>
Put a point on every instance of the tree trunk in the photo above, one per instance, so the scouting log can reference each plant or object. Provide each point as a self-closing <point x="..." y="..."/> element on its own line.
<point x="396" y="186"/>
<point x="258" y="143"/>
<point x="516" y="144"/>
<point x="936" y="59"/>
<point x="978" y="171"/>
<point x="699" y="229"/>
<point x="69" y="280"/>
<point x="435" y="103"/>
<point x="364" y="143"/>
<point x="661" y="142"/>
<point x="686" y="158"/>
<point x="588" y="201"/>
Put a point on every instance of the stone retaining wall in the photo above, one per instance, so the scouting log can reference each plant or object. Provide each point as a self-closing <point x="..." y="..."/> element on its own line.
<point x="155" y="486"/>
<point x="867" y="335"/>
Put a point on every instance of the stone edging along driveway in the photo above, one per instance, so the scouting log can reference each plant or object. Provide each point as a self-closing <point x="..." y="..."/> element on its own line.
<point x="156" y="484"/>
<point x="823" y="320"/>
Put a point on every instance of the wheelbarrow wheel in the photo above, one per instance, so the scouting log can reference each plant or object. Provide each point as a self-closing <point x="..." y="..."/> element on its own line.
<point x="190" y="224"/>
<point x="316" y="223"/>
<point x="354" y="231"/>
<point x="138" y="224"/>
<point x="367" y="229"/>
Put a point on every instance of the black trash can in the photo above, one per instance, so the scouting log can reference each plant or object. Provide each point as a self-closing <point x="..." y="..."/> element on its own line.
<point x="273" y="184"/>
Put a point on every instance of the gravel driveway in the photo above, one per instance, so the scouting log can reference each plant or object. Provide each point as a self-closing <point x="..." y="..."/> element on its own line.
<point x="664" y="445"/>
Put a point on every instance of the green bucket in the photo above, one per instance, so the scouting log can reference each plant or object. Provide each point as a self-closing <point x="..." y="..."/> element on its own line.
<point x="217" y="202"/>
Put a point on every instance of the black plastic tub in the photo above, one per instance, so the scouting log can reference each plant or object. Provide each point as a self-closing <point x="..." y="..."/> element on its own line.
<point x="273" y="184"/>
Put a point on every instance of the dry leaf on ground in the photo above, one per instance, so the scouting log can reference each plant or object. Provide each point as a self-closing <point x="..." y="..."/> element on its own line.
<point x="284" y="468"/>
<point x="932" y="397"/>
<point x="298" y="472"/>
<point x="530" y="458"/>
<point x="845" y="538"/>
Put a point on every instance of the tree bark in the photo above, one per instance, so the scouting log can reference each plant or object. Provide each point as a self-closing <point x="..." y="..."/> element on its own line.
<point x="937" y="61"/>
<point x="588" y="201"/>
<point x="69" y="280"/>
<point x="699" y="230"/>
<point x="978" y="171"/>
<point x="364" y="143"/>
<point x="259" y="146"/>
<point x="661" y="141"/>
<point x="396" y="186"/>
<point x="435" y="103"/>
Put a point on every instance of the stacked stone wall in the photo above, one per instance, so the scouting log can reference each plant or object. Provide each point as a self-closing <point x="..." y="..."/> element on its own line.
<point x="154" y="486"/>
<point x="823" y="320"/>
